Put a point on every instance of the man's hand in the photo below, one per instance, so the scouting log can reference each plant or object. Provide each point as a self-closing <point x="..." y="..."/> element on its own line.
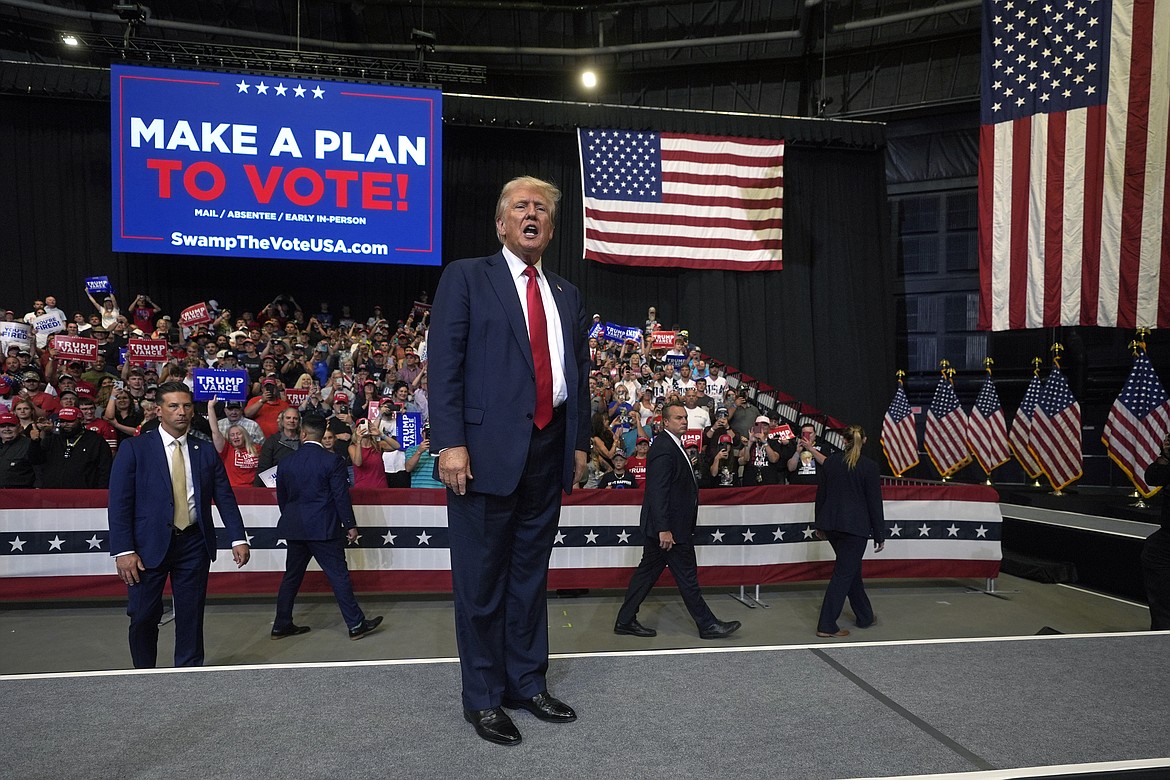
<point x="455" y="469"/>
<point x="665" y="540"/>
<point x="352" y="534"/>
<point x="879" y="546"/>
<point x="128" y="567"/>
<point x="241" y="554"/>
<point x="580" y="462"/>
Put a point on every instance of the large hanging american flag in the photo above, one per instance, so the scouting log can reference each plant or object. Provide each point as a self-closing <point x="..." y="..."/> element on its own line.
<point x="1074" y="220"/>
<point x="1021" y="432"/>
<point x="899" y="434"/>
<point x="1138" y="421"/>
<point x="946" y="428"/>
<point x="682" y="201"/>
<point x="987" y="429"/>
<point x="1056" y="431"/>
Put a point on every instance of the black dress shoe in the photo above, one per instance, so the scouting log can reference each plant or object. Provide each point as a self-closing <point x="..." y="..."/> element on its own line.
<point x="719" y="629"/>
<point x="544" y="707"/>
<point x="357" y="632"/>
<point x="494" y="725"/>
<point x="281" y="633"/>
<point x="633" y="628"/>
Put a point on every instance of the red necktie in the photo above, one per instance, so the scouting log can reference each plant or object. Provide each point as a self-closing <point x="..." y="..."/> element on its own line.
<point x="541" y="360"/>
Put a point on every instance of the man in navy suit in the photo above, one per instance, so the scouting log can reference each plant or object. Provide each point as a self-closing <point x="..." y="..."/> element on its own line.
<point x="670" y="510"/>
<point x="316" y="517"/>
<point x="161" y="487"/>
<point x="509" y="414"/>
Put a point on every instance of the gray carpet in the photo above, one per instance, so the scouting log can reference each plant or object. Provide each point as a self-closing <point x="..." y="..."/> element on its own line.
<point x="835" y="712"/>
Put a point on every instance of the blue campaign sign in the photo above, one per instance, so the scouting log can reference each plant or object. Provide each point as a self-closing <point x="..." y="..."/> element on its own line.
<point x="98" y="284"/>
<point x="621" y="332"/>
<point x="408" y="429"/>
<point x="596" y="331"/>
<point x="677" y="360"/>
<point x="285" y="168"/>
<point x="229" y="384"/>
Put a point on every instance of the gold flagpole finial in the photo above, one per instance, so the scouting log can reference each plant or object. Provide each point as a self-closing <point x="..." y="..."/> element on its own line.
<point x="1036" y="363"/>
<point x="900" y="374"/>
<point x="987" y="364"/>
<point x="1141" y="335"/>
<point x="1056" y="349"/>
<point x="1136" y="347"/>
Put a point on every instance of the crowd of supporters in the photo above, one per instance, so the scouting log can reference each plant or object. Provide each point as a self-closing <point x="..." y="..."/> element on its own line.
<point x="365" y="376"/>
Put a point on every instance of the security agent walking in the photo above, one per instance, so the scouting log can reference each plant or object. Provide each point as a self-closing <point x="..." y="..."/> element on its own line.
<point x="316" y="518"/>
<point x="848" y="512"/>
<point x="1155" y="555"/>
<point x="509" y="419"/>
<point x="161" y="488"/>
<point x="670" y="510"/>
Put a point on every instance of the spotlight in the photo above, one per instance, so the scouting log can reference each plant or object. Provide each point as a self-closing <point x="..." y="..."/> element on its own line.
<point x="69" y="39"/>
<point x="589" y="79"/>
<point x="131" y="12"/>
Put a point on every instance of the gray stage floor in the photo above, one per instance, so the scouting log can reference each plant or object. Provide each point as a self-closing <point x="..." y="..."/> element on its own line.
<point x="57" y="638"/>
<point x="844" y="711"/>
<point x="950" y="680"/>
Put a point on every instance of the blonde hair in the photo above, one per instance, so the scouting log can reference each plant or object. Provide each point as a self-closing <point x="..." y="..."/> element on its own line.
<point x="549" y="191"/>
<point x="856" y="435"/>
<point x="249" y="445"/>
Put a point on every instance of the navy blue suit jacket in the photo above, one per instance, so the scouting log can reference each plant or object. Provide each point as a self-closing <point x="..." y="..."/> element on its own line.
<point x="850" y="500"/>
<point x="313" y="495"/>
<point x="142" y="509"/>
<point x="481" y="379"/>
<point x="671" y="500"/>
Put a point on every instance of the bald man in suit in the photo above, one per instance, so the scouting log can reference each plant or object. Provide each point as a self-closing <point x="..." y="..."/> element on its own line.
<point x="670" y="510"/>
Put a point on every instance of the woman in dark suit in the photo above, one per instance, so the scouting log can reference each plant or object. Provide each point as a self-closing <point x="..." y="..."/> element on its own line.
<point x="848" y="512"/>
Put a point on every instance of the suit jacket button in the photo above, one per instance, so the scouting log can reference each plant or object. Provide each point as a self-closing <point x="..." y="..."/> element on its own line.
<point x="529" y="415"/>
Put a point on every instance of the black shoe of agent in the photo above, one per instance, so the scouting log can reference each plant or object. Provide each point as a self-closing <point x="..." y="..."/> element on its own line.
<point x="545" y="707"/>
<point x="634" y="628"/>
<point x="357" y="632"/>
<point x="494" y="725"/>
<point x="719" y="629"/>
<point x="292" y="630"/>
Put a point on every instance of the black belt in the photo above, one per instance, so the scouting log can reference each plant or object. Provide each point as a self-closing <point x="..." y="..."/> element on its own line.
<point x="188" y="530"/>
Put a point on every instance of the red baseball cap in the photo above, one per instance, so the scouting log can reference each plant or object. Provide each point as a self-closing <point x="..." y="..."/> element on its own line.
<point x="69" y="414"/>
<point x="341" y="398"/>
<point x="8" y="418"/>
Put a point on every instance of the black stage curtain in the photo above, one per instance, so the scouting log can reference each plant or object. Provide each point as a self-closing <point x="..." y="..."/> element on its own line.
<point x="822" y="329"/>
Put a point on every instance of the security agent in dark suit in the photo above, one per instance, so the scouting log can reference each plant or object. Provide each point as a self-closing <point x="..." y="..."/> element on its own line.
<point x="509" y="414"/>
<point x="1155" y="557"/>
<point x="670" y="510"/>
<point x="316" y="517"/>
<point x="161" y="487"/>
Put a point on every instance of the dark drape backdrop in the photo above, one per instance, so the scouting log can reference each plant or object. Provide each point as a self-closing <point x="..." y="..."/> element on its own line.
<point x="822" y="329"/>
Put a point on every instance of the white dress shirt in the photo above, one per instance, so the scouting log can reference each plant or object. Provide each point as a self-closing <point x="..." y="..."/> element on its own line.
<point x="556" y="338"/>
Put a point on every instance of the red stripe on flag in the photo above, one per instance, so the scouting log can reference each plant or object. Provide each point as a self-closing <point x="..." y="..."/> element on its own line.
<point x="1091" y="242"/>
<point x="986" y="203"/>
<point x="716" y="201"/>
<point x="721" y="158"/>
<point x="1133" y="194"/>
<point x="634" y="218"/>
<point x="1018" y="262"/>
<point x="687" y="241"/>
<point x="712" y="180"/>
<point x="625" y="258"/>
<point x="1054" y="216"/>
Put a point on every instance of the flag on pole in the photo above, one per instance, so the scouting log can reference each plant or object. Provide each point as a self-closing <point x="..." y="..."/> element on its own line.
<point x="1073" y="217"/>
<point x="677" y="200"/>
<point x="1056" y="431"/>
<point x="899" y="434"/>
<point x="946" y="427"/>
<point x="987" y="429"/>
<point x="1021" y="432"/>
<point x="1138" y="421"/>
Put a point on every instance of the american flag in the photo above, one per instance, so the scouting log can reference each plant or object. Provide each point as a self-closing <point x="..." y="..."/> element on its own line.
<point x="682" y="201"/>
<point x="1056" y="431"/>
<point x="1073" y="216"/>
<point x="1140" y="417"/>
<point x="1021" y="432"/>
<point x="987" y="429"/>
<point x="899" y="434"/>
<point x="946" y="428"/>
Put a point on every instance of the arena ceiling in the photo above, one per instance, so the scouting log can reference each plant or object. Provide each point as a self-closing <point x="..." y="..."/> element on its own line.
<point x="869" y="58"/>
